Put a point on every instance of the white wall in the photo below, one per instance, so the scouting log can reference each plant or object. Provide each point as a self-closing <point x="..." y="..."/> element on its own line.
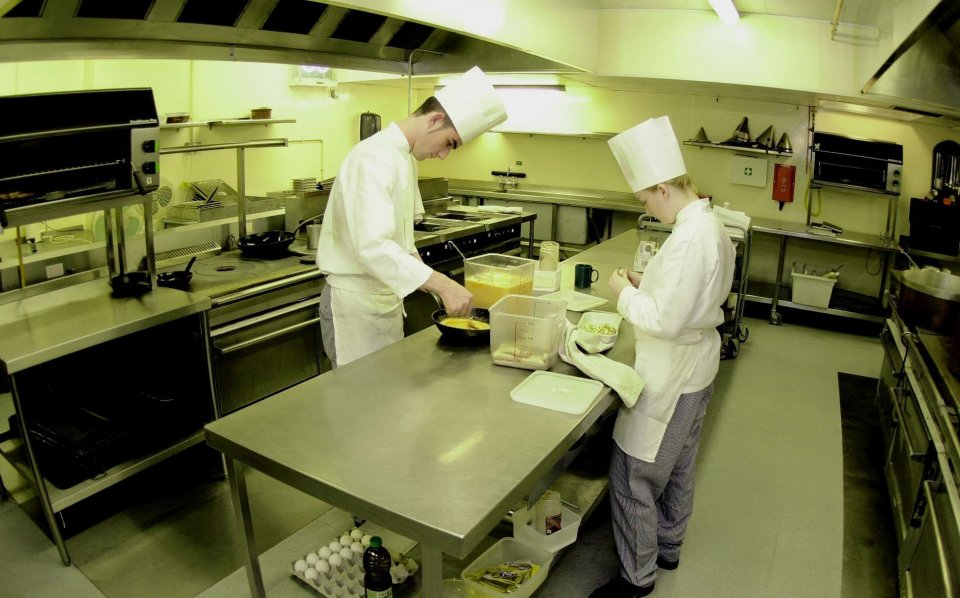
<point x="210" y="90"/>
<point x="219" y="90"/>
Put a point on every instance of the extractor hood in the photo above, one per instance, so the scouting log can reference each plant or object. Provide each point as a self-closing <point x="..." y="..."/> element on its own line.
<point x="276" y="31"/>
<point x="923" y="73"/>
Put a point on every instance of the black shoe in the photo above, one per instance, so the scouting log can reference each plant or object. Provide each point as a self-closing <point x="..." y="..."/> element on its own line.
<point x="618" y="587"/>
<point x="668" y="565"/>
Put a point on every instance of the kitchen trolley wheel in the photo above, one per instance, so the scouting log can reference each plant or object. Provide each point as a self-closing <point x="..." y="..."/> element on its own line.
<point x="743" y="334"/>
<point x="775" y="318"/>
<point x="730" y="349"/>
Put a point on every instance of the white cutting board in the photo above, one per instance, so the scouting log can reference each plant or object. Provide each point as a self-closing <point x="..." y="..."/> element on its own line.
<point x="569" y="394"/>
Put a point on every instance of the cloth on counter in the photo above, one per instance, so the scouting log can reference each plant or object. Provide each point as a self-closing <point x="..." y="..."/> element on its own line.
<point x="500" y="209"/>
<point x="620" y="377"/>
<point x="732" y="217"/>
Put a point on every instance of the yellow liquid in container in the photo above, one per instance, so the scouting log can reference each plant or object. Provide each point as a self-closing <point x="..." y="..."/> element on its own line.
<point x="487" y="289"/>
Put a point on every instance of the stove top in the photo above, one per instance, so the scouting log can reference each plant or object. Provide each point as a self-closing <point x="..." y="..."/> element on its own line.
<point x="230" y="272"/>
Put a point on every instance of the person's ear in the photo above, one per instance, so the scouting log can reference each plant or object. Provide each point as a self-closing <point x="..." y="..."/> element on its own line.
<point x="663" y="190"/>
<point x="436" y="121"/>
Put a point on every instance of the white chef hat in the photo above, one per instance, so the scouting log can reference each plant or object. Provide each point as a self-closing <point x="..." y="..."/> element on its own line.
<point x="472" y="104"/>
<point x="648" y="153"/>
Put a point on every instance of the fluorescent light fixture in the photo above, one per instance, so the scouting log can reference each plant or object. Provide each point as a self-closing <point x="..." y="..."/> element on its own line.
<point x="726" y="11"/>
<point x="522" y="87"/>
<point x="532" y="87"/>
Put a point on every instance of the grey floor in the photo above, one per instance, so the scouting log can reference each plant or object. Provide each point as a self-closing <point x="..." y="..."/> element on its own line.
<point x="768" y="519"/>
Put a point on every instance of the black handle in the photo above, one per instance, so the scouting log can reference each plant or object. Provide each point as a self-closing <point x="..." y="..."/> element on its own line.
<point x="3" y="216"/>
<point x="519" y="175"/>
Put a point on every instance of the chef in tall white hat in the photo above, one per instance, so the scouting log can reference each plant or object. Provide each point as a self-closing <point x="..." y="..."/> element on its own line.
<point x="675" y="308"/>
<point x="366" y="246"/>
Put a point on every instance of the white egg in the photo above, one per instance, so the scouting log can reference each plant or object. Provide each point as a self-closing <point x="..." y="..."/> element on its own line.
<point x="336" y="560"/>
<point x="334" y="546"/>
<point x="300" y="566"/>
<point x="311" y="574"/>
<point x="323" y="566"/>
<point x="312" y="558"/>
<point x="347" y="554"/>
<point x="365" y="540"/>
<point x="356" y="534"/>
<point x="345" y="540"/>
<point x="357" y="547"/>
<point x="325" y="552"/>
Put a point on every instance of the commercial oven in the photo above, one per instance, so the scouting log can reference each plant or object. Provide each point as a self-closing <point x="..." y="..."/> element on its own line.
<point x="265" y="339"/>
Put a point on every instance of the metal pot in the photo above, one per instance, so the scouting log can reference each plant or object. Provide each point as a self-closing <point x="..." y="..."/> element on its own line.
<point x="461" y="335"/>
<point x="929" y="299"/>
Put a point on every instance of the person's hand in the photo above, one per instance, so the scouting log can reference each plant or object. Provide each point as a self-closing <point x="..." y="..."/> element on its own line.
<point x="457" y="301"/>
<point x="634" y="277"/>
<point x="619" y="280"/>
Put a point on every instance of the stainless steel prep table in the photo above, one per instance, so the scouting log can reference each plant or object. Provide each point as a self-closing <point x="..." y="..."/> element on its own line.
<point x="798" y="230"/>
<point x="41" y="328"/>
<point x="420" y="437"/>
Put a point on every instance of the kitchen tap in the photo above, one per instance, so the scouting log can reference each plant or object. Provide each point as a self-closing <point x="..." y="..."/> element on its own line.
<point x="508" y="178"/>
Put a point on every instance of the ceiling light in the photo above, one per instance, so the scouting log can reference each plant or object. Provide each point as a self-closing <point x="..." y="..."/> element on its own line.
<point x="726" y="11"/>
<point x="532" y="86"/>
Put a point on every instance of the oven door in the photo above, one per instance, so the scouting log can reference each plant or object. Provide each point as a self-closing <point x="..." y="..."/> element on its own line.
<point x="263" y="354"/>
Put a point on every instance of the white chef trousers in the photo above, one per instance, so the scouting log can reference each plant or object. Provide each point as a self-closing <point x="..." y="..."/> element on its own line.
<point x="354" y="324"/>
<point x="651" y="503"/>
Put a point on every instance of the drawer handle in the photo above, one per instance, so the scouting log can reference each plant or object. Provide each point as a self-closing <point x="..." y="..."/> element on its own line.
<point x="265" y="337"/>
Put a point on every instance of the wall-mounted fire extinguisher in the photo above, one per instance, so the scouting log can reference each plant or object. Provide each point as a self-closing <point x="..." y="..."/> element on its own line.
<point x="783" y="179"/>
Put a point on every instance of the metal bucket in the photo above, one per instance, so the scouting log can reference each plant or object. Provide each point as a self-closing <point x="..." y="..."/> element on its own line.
<point x="929" y="299"/>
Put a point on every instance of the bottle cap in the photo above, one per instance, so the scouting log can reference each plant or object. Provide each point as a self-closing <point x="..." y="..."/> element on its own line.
<point x="376" y="542"/>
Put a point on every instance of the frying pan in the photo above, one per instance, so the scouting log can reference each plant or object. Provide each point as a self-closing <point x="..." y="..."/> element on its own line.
<point x="268" y="245"/>
<point x="460" y="335"/>
<point x="178" y="279"/>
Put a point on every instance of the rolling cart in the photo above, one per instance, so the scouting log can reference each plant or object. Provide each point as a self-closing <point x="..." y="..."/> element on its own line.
<point x="732" y="331"/>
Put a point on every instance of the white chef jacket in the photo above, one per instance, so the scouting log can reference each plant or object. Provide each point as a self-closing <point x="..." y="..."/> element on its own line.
<point x="367" y="237"/>
<point x="675" y="311"/>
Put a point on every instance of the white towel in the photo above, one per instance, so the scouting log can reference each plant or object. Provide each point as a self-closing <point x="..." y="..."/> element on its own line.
<point x="732" y="217"/>
<point x="620" y="377"/>
<point x="500" y="209"/>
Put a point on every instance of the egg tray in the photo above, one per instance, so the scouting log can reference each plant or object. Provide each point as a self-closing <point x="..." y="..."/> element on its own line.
<point x="346" y="581"/>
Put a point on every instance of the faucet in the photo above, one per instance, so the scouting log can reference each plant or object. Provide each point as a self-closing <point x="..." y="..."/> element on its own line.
<point x="508" y="178"/>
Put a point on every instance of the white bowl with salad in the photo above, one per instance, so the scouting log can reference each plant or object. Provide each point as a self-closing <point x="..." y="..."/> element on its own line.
<point x="599" y="327"/>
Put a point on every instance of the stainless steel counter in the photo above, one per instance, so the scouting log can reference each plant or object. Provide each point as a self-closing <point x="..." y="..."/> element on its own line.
<point x="420" y="437"/>
<point x="44" y="327"/>
<point x="799" y="230"/>
<point x="618" y="201"/>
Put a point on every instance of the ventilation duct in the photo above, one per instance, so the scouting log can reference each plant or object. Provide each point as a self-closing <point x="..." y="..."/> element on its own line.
<point x="277" y="31"/>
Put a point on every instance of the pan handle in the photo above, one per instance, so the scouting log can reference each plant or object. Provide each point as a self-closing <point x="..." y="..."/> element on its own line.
<point x="435" y="298"/>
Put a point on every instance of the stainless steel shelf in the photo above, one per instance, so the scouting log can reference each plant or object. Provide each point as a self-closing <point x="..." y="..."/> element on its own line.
<point x="580" y="134"/>
<point x="737" y="148"/>
<point x="762" y="293"/>
<point x="229" y="122"/>
<point x="61" y="208"/>
<point x="60" y="499"/>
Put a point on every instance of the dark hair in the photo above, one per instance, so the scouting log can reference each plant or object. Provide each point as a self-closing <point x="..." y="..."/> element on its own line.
<point x="432" y="104"/>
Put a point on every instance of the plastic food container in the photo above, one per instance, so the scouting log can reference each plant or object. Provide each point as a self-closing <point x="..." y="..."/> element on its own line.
<point x="492" y="276"/>
<point x="524" y="531"/>
<point x="525" y="331"/>
<point x="809" y="288"/>
<point x="505" y="550"/>
<point x="595" y="324"/>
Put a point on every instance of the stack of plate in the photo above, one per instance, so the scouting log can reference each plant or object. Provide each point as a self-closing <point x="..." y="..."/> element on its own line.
<point x="304" y="185"/>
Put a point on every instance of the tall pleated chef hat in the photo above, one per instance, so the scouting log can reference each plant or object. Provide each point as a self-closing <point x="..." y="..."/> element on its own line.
<point x="472" y="104"/>
<point x="648" y="154"/>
